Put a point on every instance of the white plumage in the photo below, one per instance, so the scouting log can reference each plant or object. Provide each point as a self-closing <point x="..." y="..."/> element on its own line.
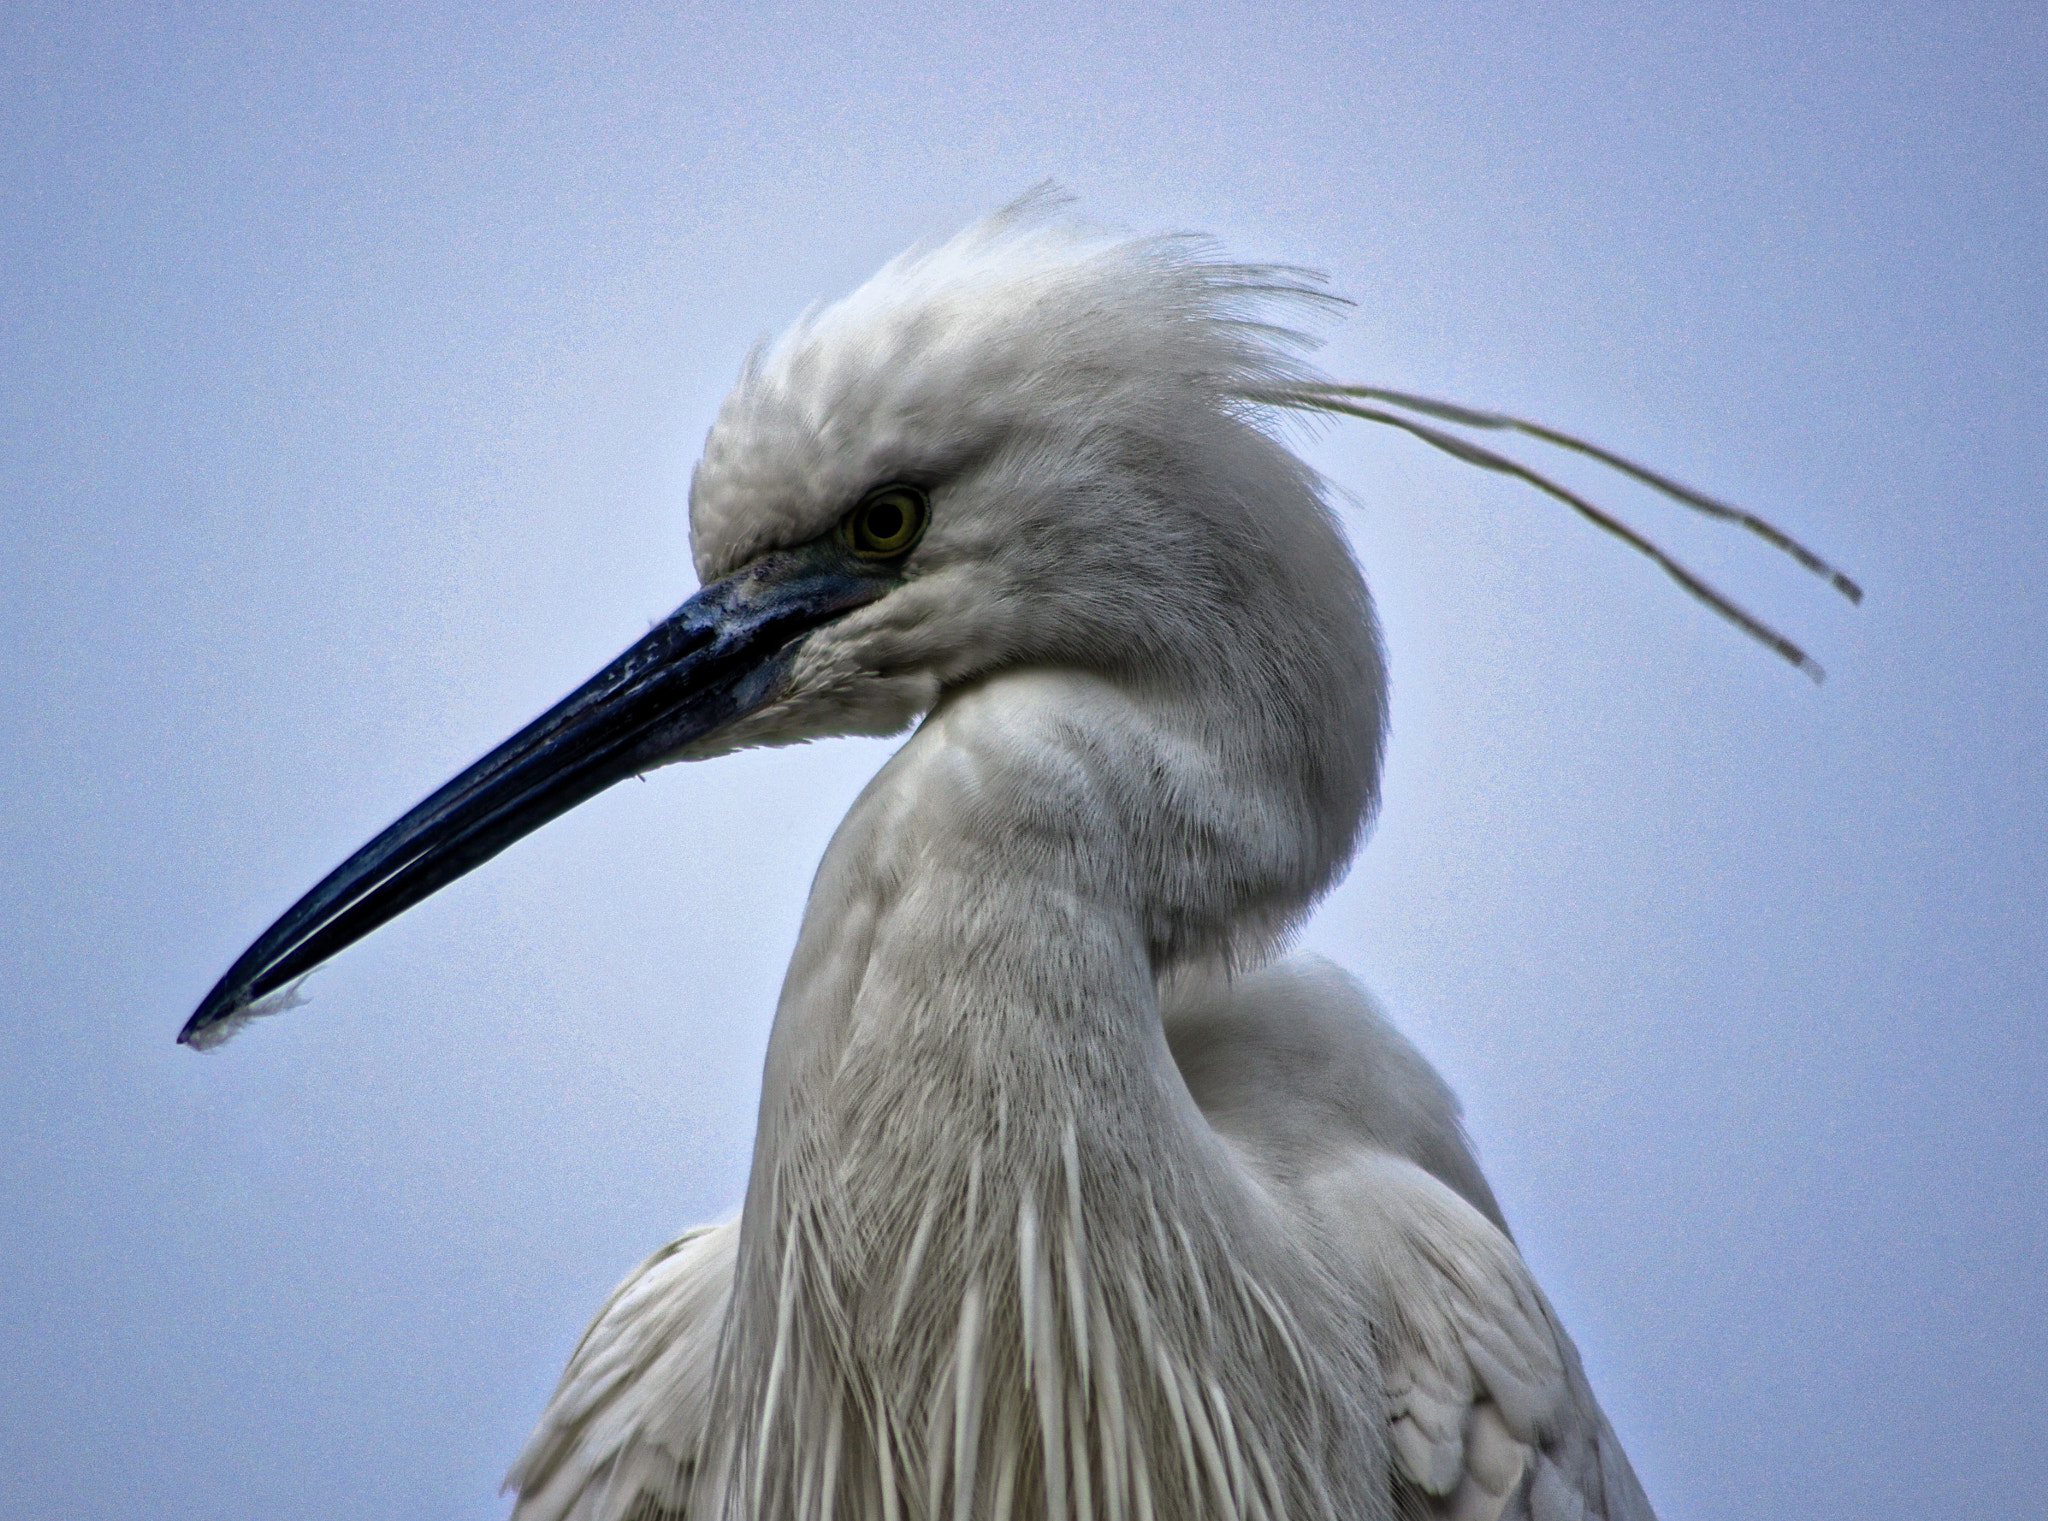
<point x="1067" y="1202"/>
<point x="1486" y="1410"/>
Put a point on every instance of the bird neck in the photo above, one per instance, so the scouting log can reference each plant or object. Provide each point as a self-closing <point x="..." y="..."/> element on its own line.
<point x="979" y="1178"/>
<point x="977" y="969"/>
<point x="1004" y="896"/>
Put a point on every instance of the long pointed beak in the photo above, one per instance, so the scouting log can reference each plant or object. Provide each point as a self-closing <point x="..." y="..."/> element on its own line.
<point x="717" y="657"/>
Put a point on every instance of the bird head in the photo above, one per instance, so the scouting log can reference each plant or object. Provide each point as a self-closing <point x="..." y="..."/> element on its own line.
<point x="1056" y="422"/>
<point x="1033" y="445"/>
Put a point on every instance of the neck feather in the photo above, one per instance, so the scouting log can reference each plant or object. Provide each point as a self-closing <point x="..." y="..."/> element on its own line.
<point x="994" y="1264"/>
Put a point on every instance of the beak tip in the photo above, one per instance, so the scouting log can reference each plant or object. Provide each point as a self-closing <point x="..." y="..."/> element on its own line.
<point x="219" y="1020"/>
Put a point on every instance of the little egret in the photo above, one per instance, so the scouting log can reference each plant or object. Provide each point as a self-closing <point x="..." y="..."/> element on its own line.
<point x="1072" y="1199"/>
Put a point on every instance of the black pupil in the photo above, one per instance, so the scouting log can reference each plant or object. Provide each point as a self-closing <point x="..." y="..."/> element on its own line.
<point x="885" y="519"/>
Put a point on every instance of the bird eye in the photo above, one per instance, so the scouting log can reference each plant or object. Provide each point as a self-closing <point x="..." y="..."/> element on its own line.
<point x="887" y="522"/>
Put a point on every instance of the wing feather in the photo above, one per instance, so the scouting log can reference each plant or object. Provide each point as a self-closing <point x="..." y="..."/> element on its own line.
<point x="1489" y="1414"/>
<point x="620" y="1437"/>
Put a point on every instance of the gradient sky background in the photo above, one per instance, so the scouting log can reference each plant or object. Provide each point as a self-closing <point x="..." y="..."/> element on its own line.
<point x="354" y="362"/>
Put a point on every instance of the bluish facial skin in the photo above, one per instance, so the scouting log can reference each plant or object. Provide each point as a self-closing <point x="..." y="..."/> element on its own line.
<point x="719" y="656"/>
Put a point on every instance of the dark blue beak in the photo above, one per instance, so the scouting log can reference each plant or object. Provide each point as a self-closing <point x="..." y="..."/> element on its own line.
<point x="719" y="656"/>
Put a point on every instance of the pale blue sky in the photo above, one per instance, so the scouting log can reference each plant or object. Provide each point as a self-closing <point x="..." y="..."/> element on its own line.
<point x="354" y="362"/>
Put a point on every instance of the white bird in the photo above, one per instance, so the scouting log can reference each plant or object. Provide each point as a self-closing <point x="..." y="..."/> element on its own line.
<point x="1069" y="1201"/>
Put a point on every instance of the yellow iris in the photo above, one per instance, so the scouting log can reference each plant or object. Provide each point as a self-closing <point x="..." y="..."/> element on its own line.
<point x="887" y="521"/>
